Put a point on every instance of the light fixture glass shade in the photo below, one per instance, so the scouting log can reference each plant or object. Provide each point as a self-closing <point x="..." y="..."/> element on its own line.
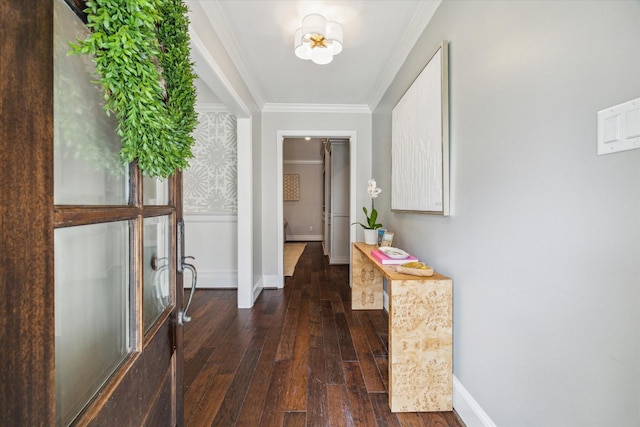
<point x="321" y="55"/>
<point x="334" y="34"/>
<point x="302" y="50"/>
<point x="317" y="39"/>
<point x="313" y="24"/>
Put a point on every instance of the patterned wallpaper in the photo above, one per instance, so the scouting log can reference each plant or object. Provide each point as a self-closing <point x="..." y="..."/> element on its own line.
<point x="210" y="182"/>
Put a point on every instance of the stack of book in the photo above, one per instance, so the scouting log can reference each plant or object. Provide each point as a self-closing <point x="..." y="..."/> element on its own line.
<point x="387" y="260"/>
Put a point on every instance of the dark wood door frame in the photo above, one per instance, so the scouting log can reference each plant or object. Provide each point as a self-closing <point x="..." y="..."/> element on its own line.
<point x="27" y="384"/>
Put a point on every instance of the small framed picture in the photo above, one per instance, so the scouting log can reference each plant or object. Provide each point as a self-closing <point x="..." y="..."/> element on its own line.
<point x="380" y="234"/>
<point x="387" y="239"/>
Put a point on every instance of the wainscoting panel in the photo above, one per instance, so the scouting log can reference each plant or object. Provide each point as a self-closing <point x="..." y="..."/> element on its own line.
<point x="212" y="240"/>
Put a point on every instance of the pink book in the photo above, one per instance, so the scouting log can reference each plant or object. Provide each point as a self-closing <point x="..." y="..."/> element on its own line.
<point x="386" y="260"/>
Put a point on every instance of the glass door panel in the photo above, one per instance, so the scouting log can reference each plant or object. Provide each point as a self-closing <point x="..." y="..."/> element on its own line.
<point x="155" y="191"/>
<point x="91" y="311"/>
<point x="157" y="269"/>
<point x="87" y="165"/>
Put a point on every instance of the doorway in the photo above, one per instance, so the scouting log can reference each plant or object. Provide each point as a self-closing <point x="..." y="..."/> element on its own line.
<point x="302" y="189"/>
<point x="351" y="136"/>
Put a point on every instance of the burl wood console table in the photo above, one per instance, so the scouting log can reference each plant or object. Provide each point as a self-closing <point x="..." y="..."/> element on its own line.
<point x="420" y="331"/>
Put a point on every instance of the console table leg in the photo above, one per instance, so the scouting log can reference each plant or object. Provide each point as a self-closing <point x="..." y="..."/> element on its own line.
<point x="366" y="284"/>
<point x="420" y="345"/>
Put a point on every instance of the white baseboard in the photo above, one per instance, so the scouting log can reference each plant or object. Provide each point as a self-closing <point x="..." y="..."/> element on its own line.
<point x="272" y="281"/>
<point x="467" y="408"/>
<point x="304" y="237"/>
<point x="212" y="279"/>
<point x="338" y="260"/>
<point x="257" y="289"/>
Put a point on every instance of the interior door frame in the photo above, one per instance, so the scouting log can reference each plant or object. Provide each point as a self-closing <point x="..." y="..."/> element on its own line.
<point x="351" y="135"/>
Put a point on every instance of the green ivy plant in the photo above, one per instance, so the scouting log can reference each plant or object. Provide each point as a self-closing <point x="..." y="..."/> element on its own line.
<point x="141" y="52"/>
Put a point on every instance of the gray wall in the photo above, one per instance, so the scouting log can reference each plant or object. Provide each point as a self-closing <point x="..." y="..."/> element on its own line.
<point x="543" y="243"/>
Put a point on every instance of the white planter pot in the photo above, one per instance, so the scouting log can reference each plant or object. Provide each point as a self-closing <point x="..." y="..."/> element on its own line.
<point x="370" y="236"/>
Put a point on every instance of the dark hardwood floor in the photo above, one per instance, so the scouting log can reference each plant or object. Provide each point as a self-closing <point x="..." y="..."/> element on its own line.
<point x="299" y="357"/>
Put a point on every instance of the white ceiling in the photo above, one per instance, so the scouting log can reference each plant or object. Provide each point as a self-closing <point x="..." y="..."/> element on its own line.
<point x="258" y="36"/>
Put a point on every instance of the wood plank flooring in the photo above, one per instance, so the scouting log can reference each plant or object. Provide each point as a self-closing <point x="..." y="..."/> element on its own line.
<point x="299" y="357"/>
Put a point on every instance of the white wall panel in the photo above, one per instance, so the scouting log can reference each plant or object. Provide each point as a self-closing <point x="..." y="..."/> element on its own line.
<point x="208" y="238"/>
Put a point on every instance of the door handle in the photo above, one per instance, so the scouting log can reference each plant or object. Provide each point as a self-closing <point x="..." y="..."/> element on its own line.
<point x="183" y="317"/>
<point x="182" y="314"/>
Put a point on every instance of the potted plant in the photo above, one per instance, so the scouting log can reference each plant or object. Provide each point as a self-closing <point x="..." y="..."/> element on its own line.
<point x="370" y="233"/>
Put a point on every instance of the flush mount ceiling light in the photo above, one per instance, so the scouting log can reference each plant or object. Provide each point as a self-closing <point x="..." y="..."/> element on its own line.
<point x="318" y="39"/>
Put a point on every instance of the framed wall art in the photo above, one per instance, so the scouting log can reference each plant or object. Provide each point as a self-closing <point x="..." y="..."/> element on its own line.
<point x="420" y="141"/>
<point x="291" y="190"/>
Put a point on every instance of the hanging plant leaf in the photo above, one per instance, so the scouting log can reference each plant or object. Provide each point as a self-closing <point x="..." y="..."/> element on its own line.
<point x="141" y="52"/>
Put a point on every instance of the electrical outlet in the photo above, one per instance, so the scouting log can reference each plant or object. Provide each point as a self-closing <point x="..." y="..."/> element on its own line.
<point x="311" y="228"/>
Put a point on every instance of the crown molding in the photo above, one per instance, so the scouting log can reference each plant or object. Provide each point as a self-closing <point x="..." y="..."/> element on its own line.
<point x="211" y="108"/>
<point x="316" y="108"/>
<point x="219" y="23"/>
<point x="414" y="30"/>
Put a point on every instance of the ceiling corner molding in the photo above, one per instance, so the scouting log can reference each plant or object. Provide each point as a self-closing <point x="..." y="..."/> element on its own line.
<point x="207" y="107"/>
<point x="418" y="24"/>
<point x="219" y="22"/>
<point x="316" y="108"/>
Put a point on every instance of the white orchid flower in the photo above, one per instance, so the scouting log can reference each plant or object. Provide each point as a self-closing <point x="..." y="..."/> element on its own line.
<point x="372" y="189"/>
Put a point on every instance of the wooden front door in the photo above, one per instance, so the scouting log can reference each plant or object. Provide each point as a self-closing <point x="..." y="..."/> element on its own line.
<point x="90" y="290"/>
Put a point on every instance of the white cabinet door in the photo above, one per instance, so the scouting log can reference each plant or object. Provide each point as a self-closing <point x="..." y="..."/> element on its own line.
<point x="339" y="214"/>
